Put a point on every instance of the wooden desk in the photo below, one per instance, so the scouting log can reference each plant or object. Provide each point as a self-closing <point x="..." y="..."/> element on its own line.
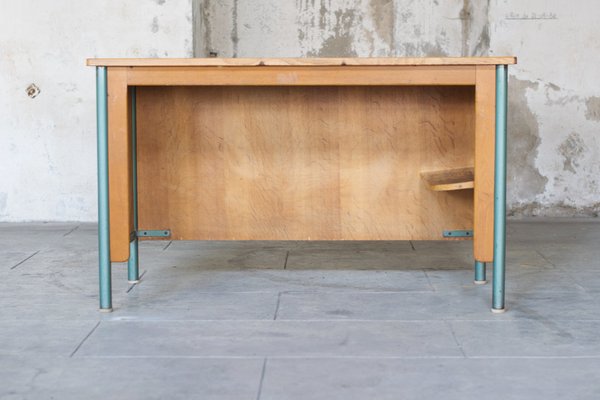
<point x="302" y="149"/>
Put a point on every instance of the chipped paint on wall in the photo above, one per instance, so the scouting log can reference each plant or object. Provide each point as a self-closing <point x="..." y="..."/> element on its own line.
<point x="553" y="110"/>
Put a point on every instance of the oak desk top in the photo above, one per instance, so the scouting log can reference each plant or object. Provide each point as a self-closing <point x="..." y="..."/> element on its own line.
<point x="237" y="62"/>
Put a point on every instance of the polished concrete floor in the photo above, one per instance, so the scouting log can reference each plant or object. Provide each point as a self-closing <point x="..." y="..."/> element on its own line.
<point x="300" y="320"/>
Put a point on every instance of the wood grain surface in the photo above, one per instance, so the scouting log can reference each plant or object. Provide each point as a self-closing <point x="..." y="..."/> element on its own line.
<point x="302" y="76"/>
<point x="485" y="123"/>
<point x="225" y="62"/>
<point x="449" y="179"/>
<point x="302" y="163"/>
<point x="119" y="164"/>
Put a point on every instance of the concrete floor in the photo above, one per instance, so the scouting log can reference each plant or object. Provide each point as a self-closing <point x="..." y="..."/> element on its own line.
<point x="300" y="320"/>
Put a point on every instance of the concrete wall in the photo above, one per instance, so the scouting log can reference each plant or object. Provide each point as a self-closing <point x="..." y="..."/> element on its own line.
<point x="554" y="122"/>
<point x="48" y="139"/>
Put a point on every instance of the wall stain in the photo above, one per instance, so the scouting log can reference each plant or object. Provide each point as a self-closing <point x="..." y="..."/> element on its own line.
<point x="234" y="30"/>
<point x="206" y="28"/>
<point x="592" y="112"/>
<point x="340" y="43"/>
<point x="323" y="14"/>
<point x="154" y="26"/>
<point x="560" y="209"/>
<point x="160" y="2"/>
<point x="382" y="13"/>
<point x="467" y="17"/>
<point x="523" y="140"/>
<point x="571" y="150"/>
<point x="433" y="50"/>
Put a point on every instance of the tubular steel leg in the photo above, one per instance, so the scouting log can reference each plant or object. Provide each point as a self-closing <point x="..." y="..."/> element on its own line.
<point x="480" y="277"/>
<point x="103" y="212"/>
<point x="500" y="191"/>
<point x="133" y="274"/>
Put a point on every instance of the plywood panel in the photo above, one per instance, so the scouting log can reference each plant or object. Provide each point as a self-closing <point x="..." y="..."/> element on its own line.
<point x="317" y="163"/>
<point x="485" y="137"/>
<point x="119" y="164"/>
<point x="449" y="179"/>
<point x="302" y="75"/>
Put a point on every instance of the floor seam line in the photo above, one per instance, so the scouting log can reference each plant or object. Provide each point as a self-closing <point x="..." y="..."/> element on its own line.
<point x="262" y="378"/>
<point x="71" y="231"/>
<point x="335" y="357"/>
<point x="85" y="338"/>
<point x="136" y="283"/>
<point x="287" y="254"/>
<point x="277" y="306"/>
<point x="31" y="256"/>
<point x="449" y="324"/>
<point x="429" y="280"/>
<point x="545" y="259"/>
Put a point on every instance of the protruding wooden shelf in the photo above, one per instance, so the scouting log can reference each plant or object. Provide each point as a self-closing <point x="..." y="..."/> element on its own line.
<point x="449" y="179"/>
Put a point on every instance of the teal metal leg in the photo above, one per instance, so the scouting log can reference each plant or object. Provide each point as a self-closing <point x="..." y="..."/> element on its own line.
<point x="103" y="212"/>
<point x="133" y="274"/>
<point x="500" y="190"/>
<point x="480" y="277"/>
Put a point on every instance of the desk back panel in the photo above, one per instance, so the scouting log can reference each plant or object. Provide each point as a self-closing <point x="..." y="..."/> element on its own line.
<point x="302" y="163"/>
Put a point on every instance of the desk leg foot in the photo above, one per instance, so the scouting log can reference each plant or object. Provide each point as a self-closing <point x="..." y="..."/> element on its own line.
<point x="498" y="310"/>
<point x="105" y="310"/>
<point x="133" y="271"/>
<point x="480" y="275"/>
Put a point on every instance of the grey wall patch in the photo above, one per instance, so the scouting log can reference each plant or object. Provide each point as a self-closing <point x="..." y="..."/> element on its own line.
<point x="340" y="44"/>
<point x="571" y="150"/>
<point x="383" y="15"/>
<point x="592" y="111"/>
<point x="525" y="181"/>
<point x="475" y="27"/>
<point x="154" y="26"/>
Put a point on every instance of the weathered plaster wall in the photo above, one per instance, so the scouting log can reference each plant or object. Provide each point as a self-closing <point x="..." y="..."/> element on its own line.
<point x="554" y="99"/>
<point x="48" y="139"/>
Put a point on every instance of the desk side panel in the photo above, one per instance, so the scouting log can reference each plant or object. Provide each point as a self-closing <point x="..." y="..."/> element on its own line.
<point x="485" y="134"/>
<point x="119" y="168"/>
<point x="302" y="163"/>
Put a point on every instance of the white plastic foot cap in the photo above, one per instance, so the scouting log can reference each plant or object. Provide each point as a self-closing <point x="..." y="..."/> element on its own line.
<point x="498" y="310"/>
<point x="106" y="310"/>
<point x="480" y="282"/>
<point x="132" y="282"/>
